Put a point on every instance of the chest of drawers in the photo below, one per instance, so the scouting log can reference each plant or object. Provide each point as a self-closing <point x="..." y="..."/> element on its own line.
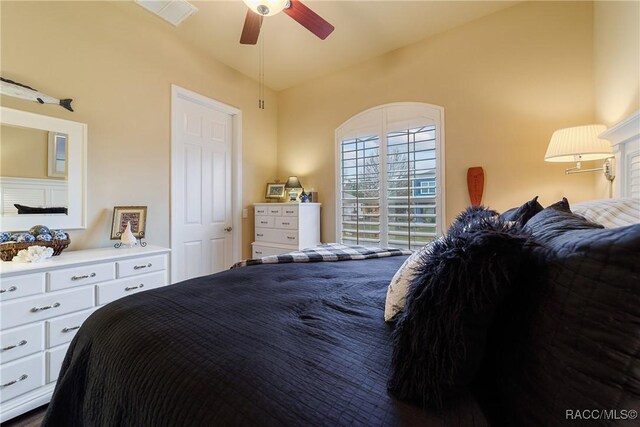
<point x="43" y="305"/>
<point x="285" y="227"/>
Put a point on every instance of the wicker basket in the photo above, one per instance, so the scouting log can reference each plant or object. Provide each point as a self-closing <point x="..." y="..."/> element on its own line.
<point x="9" y="250"/>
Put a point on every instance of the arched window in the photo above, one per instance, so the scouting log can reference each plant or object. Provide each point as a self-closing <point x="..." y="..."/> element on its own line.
<point x="390" y="166"/>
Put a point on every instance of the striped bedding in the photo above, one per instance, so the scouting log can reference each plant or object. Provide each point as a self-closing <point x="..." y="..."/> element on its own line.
<point x="611" y="213"/>
<point x="326" y="252"/>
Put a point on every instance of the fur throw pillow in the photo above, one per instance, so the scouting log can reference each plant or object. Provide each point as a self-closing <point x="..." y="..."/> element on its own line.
<point x="440" y="338"/>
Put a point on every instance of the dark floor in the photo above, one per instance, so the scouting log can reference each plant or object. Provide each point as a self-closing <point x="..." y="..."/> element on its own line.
<point x="32" y="418"/>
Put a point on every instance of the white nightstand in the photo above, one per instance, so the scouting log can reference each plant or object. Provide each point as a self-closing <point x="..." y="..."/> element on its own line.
<point x="285" y="227"/>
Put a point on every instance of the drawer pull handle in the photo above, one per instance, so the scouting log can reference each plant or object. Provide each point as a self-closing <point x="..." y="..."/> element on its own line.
<point x="86" y="276"/>
<point x="23" y="342"/>
<point x="291" y="238"/>
<point x="69" y="329"/>
<point x="138" y="267"/>
<point x="22" y="378"/>
<point x="46" y="307"/>
<point x="286" y="223"/>
<point x="259" y="234"/>
<point x="258" y="252"/>
<point x="288" y="211"/>
<point x="130" y="288"/>
<point x="11" y="289"/>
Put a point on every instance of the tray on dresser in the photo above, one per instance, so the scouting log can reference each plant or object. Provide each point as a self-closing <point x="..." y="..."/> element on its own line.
<point x="9" y="250"/>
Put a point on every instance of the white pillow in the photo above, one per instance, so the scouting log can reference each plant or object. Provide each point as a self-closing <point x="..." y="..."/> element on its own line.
<point x="399" y="286"/>
<point x="611" y="213"/>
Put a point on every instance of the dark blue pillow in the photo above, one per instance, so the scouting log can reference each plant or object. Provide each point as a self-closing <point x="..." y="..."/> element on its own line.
<point x="557" y="219"/>
<point x="523" y="213"/>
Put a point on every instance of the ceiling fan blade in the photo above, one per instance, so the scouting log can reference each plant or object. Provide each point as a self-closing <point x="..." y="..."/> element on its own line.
<point x="251" y="29"/>
<point x="309" y="19"/>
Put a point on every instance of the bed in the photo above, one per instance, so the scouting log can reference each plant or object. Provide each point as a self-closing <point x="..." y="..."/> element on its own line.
<point x="261" y="345"/>
<point x="299" y="343"/>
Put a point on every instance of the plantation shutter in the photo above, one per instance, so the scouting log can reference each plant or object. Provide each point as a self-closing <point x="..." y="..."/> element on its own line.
<point x="360" y="186"/>
<point x="411" y="187"/>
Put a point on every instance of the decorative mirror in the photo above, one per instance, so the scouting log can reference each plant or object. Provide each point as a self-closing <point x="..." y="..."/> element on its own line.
<point x="42" y="171"/>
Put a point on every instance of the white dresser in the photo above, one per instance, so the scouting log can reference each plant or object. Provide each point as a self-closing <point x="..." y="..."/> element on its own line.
<point x="285" y="227"/>
<point x="42" y="306"/>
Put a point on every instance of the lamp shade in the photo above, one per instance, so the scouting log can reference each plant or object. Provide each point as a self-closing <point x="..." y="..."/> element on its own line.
<point x="576" y="144"/>
<point x="293" y="182"/>
<point x="267" y="7"/>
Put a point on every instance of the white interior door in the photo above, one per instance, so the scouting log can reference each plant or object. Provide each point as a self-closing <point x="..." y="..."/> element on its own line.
<point x="201" y="222"/>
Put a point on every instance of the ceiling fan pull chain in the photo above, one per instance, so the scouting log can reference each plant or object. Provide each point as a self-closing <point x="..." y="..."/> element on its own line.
<point x="261" y="76"/>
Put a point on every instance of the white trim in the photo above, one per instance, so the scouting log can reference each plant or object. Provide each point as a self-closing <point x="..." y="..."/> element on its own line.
<point x="236" y="163"/>
<point x="440" y="163"/>
<point x="625" y="143"/>
<point x="624" y="130"/>
<point x="76" y="176"/>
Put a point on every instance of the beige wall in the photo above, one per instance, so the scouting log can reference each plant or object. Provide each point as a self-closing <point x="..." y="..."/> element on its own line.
<point x="118" y="63"/>
<point x="617" y="59"/>
<point x="617" y="66"/>
<point x="506" y="82"/>
<point x="23" y="152"/>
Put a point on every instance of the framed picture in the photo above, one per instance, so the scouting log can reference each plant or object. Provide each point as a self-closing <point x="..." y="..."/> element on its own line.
<point x="275" y="190"/>
<point x="57" y="153"/>
<point x="136" y="215"/>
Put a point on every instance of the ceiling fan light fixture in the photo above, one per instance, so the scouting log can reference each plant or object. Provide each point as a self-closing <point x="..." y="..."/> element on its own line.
<point x="267" y="7"/>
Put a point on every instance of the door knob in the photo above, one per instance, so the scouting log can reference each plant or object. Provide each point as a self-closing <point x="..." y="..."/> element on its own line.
<point x="228" y="229"/>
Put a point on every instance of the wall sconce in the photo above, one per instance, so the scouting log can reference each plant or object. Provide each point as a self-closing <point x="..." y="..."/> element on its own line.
<point x="293" y="183"/>
<point x="578" y="144"/>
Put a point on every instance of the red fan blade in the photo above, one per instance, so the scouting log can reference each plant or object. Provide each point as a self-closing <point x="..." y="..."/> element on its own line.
<point x="309" y="19"/>
<point x="251" y="29"/>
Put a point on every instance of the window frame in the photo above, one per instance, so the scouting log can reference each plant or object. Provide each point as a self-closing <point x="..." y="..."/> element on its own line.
<point x="362" y="120"/>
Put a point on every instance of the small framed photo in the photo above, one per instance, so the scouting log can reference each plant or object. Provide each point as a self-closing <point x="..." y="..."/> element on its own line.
<point x="275" y="190"/>
<point x="57" y="153"/>
<point x="136" y="215"/>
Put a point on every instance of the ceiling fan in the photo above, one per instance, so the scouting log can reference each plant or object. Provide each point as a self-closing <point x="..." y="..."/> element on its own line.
<point x="294" y="8"/>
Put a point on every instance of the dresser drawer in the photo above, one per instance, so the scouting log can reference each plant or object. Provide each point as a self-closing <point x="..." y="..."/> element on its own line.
<point x="262" y="210"/>
<point x="274" y="210"/>
<point x="260" y="251"/>
<point x="78" y="276"/>
<point x="108" y="292"/>
<point x="274" y="235"/>
<point x="290" y="210"/>
<point x="21" y="286"/>
<point x="287" y="222"/>
<point x="21" y="376"/>
<point x="32" y="309"/>
<point x="137" y="266"/>
<point x="62" y="329"/>
<point x="54" y="359"/>
<point x="265" y="221"/>
<point x="19" y="342"/>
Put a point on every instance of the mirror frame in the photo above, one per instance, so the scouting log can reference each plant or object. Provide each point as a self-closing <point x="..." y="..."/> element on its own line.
<point x="76" y="217"/>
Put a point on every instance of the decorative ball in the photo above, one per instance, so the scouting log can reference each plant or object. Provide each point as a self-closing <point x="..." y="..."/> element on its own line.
<point x="4" y="237"/>
<point x="44" y="237"/>
<point x="25" y="238"/>
<point x="14" y="236"/>
<point x="39" y="229"/>
<point x="60" y="235"/>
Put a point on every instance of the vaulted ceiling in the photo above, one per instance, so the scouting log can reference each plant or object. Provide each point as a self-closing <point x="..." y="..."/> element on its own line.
<point x="292" y="55"/>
